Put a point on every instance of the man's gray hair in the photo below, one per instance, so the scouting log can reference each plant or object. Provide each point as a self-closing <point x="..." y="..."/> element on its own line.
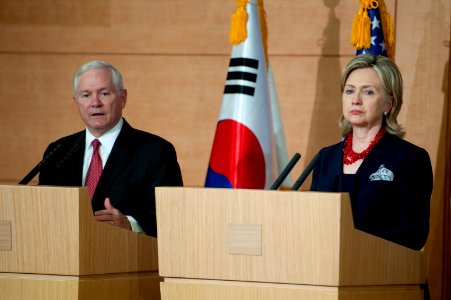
<point x="98" y="64"/>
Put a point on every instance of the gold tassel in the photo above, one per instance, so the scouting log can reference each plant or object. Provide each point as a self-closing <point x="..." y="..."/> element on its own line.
<point x="263" y="28"/>
<point x="361" y="25"/>
<point x="388" y="28"/>
<point x="238" y="30"/>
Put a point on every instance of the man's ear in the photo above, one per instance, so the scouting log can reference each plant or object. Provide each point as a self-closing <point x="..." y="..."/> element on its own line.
<point x="124" y="97"/>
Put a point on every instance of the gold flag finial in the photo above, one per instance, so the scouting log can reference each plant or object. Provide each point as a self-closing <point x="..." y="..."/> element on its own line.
<point x="263" y="28"/>
<point x="361" y="26"/>
<point x="238" y="30"/>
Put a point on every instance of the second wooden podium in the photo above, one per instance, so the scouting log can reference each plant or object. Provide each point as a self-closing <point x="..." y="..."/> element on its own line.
<point x="254" y="244"/>
<point x="51" y="248"/>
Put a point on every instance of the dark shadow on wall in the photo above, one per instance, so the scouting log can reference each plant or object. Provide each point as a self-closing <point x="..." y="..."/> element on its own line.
<point x="327" y="107"/>
<point x="437" y="248"/>
<point x="446" y="143"/>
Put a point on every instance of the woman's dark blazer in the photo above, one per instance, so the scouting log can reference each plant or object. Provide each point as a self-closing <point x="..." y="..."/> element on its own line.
<point x="390" y="192"/>
<point x="138" y="162"/>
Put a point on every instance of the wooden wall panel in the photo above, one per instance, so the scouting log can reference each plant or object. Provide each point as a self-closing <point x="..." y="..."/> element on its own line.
<point x="310" y="103"/>
<point x="168" y="48"/>
<point x="172" y="26"/>
<point x="35" y="108"/>
<point x="423" y="56"/>
<point x="180" y="101"/>
<point x="168" y="102"/>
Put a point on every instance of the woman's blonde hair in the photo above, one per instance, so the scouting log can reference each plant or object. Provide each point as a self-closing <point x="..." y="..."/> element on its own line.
<point x="391" y="80"/>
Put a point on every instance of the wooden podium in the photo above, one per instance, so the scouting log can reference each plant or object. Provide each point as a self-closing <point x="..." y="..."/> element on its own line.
<point x="253" y="244"/>
<point x="52" y="248"/>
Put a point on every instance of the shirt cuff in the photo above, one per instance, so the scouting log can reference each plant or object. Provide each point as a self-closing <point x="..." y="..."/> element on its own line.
<point x="135" y="225"/>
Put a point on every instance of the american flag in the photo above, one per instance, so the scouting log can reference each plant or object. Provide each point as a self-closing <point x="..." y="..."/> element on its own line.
<point x="377" y="35"/>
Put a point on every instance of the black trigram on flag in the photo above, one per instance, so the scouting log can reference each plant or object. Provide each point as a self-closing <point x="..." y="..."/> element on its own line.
<point x="242" y="76"/>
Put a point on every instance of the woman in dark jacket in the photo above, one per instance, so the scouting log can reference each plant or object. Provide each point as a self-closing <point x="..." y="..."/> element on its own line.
<point x="389" y="180"/>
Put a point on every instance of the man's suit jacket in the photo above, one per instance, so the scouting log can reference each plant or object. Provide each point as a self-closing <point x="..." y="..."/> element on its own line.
<point x="390" y="192"/>
<point x="138" y="162"/>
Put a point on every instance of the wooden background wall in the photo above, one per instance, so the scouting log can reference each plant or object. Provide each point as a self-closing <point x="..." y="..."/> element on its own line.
<point x="174" y="56"/>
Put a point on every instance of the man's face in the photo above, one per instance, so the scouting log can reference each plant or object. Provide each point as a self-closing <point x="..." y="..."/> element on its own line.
<point x="99" y="101"/>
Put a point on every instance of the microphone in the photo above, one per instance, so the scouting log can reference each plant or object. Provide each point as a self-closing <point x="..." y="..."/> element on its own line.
<point x="285" y="172"/>
<point x="45" y="160"/>
<point x="70" y="153"/>
<point x="37" y="168"/>
<point x="306" y="173"/>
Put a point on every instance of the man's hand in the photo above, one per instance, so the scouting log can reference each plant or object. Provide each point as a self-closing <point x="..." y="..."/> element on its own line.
<point x="112" y="216"/>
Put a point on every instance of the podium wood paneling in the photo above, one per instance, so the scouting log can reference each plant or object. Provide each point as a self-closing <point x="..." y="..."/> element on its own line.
<point x="53" y="232"/>
<point x="52" y="248"/>
<point x="307" y="241"/>
<point x="175" y="289"/>
<point x="145" y="285"/>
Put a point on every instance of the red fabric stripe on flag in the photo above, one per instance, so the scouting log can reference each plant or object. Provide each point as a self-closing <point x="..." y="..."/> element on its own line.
<point x="237" y="155"/>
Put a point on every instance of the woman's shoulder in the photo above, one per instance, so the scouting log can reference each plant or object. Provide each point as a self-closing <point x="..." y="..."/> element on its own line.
<point x="397" y="151"/>
<point x="335" y="148"/>
<point x="331" y="155"/>
<point x="402" y="146"/>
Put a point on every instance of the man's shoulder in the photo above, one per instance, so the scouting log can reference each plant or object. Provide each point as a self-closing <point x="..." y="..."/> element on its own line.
<point x="142" y="136"/>
<point x="147" y="137"/>
<point x="69" y="139"/>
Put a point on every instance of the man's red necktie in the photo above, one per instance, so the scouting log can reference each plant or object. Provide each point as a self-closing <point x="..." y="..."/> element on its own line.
<point x="95" y="169"/>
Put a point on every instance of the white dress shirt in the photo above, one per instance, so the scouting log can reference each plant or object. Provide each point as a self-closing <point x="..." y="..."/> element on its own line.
<point x="106" y="144"/>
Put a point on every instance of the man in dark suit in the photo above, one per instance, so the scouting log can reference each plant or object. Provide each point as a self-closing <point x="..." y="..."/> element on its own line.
<point x="132" y="162"/>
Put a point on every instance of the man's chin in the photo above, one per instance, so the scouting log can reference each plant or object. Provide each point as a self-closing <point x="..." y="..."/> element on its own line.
<point x="97" y="129"/>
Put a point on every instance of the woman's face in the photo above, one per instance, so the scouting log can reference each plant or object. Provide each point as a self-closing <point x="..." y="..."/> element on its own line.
<point x="364" y="100"/>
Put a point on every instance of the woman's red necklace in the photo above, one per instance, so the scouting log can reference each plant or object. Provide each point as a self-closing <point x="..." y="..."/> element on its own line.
<point x="350" y="157"/>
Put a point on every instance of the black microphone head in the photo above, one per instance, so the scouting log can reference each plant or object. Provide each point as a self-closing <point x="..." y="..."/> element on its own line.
<point x="37" y="168"/>
<point x="285" y="171"/>
<point x="306" y="173"/>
